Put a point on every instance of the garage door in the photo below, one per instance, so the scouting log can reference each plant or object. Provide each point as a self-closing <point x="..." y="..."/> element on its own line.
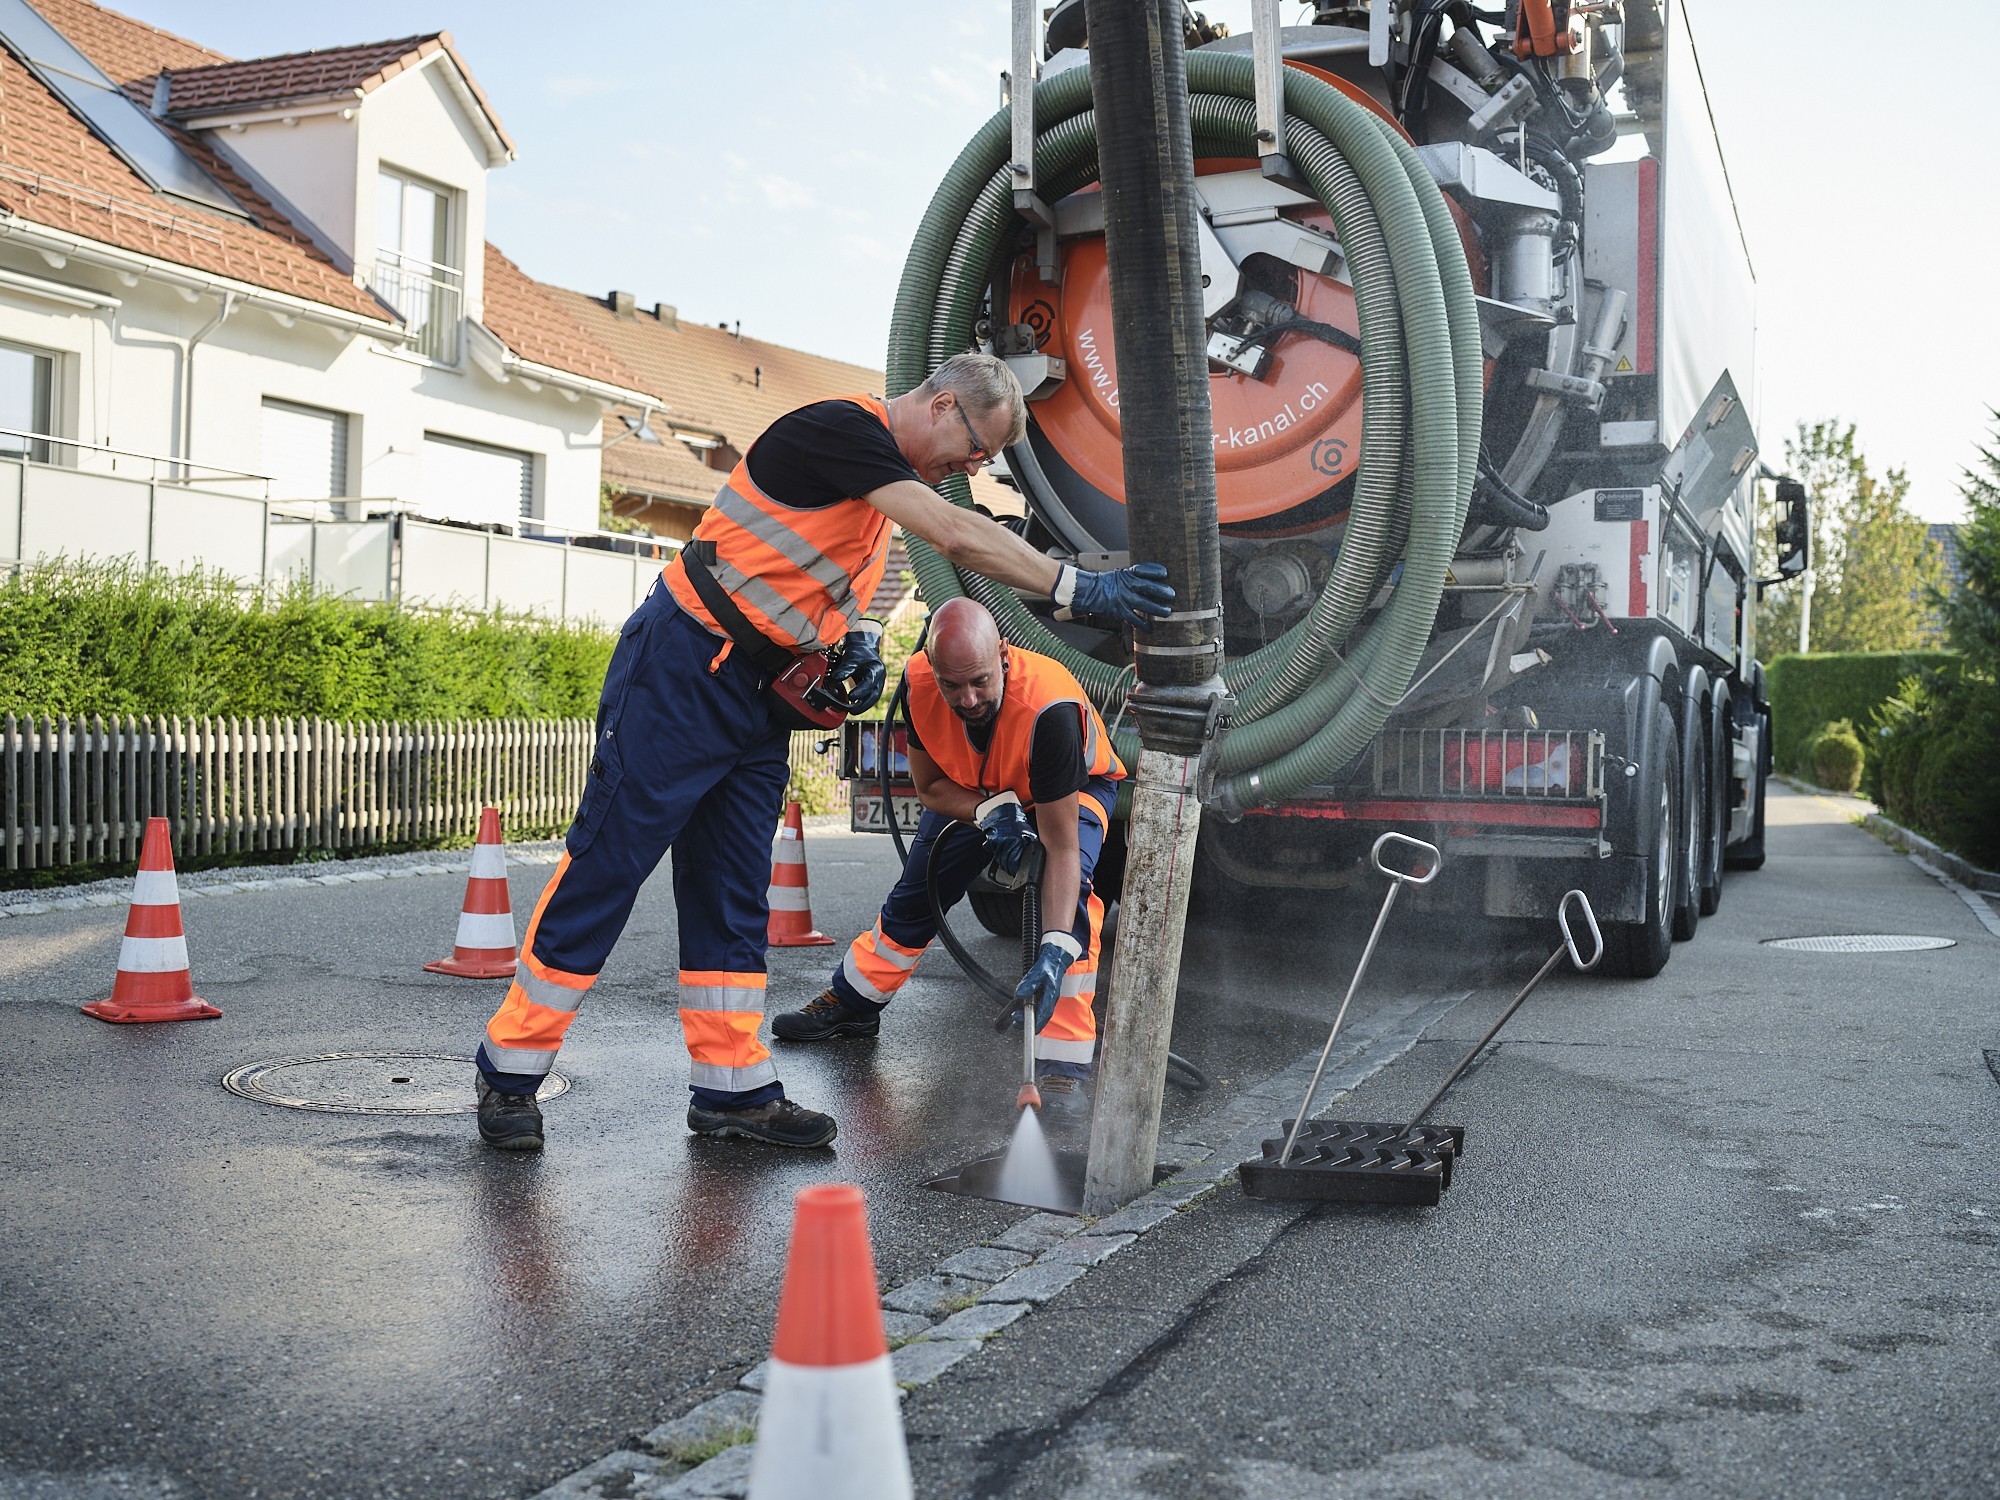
<point x="473" y="482"/>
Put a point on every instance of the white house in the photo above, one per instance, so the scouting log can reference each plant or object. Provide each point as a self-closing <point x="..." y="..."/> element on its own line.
<point x="270" y="279"/>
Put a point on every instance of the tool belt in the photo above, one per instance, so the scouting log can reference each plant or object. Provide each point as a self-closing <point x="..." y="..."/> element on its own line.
<point x="800" y="701"/>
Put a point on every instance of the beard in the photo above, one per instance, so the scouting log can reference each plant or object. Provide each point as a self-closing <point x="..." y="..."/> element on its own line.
<point x="979" y="717"/>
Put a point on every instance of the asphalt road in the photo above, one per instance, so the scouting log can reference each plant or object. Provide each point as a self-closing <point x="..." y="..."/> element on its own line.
<point x="1735" y="1231"/>
<point x="227" y="1298"/>
<point x="1730" y="1231"/>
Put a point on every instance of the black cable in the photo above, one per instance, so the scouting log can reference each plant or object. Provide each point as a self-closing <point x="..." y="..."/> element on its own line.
<point x="1326" y="333"/>
<point x="1500" y="501"/>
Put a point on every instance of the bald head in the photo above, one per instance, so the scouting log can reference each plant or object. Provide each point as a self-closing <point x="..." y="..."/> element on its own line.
<point x="964" y="652"/>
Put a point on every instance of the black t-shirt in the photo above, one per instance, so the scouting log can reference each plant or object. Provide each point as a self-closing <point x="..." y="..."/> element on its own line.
<point x="1056" y="766"/>
<point x="824" y="453"/>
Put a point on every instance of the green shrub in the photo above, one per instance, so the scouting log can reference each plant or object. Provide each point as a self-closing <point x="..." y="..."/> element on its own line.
<point x="1837" y="757"/>
<point x="1809" y="692"/>
<point x="1932" y="758"/>
<point x="115" y="639"/>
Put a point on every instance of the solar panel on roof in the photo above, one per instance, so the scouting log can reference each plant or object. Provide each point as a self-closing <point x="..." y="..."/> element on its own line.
<point x="105" y="108"/>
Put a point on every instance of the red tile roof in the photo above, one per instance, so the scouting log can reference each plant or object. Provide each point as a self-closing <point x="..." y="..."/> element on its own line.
<point x="527" y="317"/>
<point x="128" y="51"/>
<point x="223" y="87"/>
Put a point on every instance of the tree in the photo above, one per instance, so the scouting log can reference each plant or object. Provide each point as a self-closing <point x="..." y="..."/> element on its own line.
<point x="1971" y="613"/>
<point x="1874" y="564"/>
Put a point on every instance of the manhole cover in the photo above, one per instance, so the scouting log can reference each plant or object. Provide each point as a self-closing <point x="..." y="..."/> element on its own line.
<point x="1861" y="942"/>
<point x="369" y="1083"/>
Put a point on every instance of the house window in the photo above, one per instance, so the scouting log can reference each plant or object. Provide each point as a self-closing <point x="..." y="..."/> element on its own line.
<point x="415" y="268"/>
<point x="305" y="451"/>
<point x="27" y="398"/>
<point x="466" y="481"/>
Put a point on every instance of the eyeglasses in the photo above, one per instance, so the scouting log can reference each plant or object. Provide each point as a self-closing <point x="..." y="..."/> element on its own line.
<point x="980" y="453"/>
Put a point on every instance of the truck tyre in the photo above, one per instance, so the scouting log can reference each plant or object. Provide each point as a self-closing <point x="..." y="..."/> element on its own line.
<point x="1715" y="827"/>
<point x="1749" y="855"/>
<point x="1690" y="839"/>
<point x="999" y="912"/>
<point x="1639" y="950"/>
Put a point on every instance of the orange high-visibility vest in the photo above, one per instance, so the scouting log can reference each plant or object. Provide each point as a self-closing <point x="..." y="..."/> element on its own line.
<point x="1034" y="683"/>
<point x="801" y="577"/>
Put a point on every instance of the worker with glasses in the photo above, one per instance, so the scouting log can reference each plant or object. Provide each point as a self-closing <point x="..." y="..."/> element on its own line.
<point x="695" y="722"/>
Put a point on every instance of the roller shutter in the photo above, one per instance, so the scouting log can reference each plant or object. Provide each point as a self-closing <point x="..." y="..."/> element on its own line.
<point x="305" y="451"/>
<point x="472" y="482"/>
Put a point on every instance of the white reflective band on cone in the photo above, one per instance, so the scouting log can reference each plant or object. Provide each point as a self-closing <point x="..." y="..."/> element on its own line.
<point x="489" y="862"/>
<point x="139" y="955"/>
<point x="830" y="1432"/>
<point x="155" y="888"/>
<point x="486" y="929"/>
<point x="789" y="898"/>
<point x="789" y="852"/>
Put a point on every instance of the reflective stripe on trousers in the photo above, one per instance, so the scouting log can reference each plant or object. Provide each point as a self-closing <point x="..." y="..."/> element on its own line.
<point x="877" y="965"/>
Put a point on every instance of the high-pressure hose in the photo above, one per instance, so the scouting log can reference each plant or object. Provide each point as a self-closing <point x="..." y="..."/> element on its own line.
<point x="1180" y="1069"/>
<point x="1312" y="699"/>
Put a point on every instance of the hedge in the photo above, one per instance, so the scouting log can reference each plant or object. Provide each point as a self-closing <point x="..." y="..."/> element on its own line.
<point x="1933" y="750"/>
<point x="110" y="638"/>
<point x="1809" y="692"/>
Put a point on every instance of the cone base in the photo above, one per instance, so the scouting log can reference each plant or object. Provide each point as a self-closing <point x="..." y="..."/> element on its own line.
<point x="125" y="1011"/>
<point x="813" y="939"/>
<point x="473" y="968"/>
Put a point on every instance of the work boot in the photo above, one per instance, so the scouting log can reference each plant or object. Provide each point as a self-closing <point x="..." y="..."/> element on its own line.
<point x="827" y="1015"/>
<point x="513" y="1122"/>
<point x="779" y="1123"/>
<point x="1066" y="1096"/>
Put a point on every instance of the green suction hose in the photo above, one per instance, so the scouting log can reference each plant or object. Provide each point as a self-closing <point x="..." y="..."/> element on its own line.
<point x="1297" y="721"/>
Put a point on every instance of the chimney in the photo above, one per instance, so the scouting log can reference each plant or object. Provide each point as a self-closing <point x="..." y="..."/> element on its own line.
<point x="668" y="314"/>
<point x="624" y="304"/>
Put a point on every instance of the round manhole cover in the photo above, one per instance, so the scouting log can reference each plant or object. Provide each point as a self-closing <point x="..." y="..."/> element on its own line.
<point x="1861" y="942"/>
<point x="369" y="1083"/>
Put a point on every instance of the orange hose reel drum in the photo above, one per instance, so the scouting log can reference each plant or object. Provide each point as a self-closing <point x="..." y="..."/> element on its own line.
<point x="1287" y="446"/>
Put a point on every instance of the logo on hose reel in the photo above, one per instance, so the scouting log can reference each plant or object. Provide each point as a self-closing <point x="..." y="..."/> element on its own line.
<point x="1329" y="457"/>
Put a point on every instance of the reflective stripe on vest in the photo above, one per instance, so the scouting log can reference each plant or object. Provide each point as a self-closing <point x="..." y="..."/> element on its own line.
<point x="800" y="576"/>
<point x="1034" y="683"/>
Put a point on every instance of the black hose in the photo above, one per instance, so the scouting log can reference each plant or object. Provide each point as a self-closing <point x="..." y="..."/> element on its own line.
<point x="1502" y="504"/>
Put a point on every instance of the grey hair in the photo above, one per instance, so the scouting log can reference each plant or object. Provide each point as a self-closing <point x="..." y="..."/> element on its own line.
<point x="982" y="384"/>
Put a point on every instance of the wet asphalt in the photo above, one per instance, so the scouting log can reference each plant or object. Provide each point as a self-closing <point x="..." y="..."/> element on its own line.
<point x="201" y="1295"/>
<point x="1731" y="1232"/>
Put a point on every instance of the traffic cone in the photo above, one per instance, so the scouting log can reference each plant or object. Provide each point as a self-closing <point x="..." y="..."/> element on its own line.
<point x="485" y="946"/>
<point x="153" y="982"/>
<point x="791" y="903"/>
<point x="830" y="1428"/>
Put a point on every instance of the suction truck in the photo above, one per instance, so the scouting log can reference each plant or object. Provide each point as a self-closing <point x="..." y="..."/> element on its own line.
<point x="1481" y="338"/>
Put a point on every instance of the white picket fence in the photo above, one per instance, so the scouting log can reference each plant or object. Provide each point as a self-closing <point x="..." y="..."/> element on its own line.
<point x="78" y="791"/>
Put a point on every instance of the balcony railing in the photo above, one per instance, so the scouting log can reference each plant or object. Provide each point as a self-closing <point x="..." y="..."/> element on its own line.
<point x="430" y="297"/>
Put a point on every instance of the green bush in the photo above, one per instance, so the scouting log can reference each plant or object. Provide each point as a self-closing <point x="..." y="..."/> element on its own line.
<point x="115" y="639"/>
<point x="1932" y="758"/>
<point x="1809" y="692"/>
<point x="1837" y="756"/>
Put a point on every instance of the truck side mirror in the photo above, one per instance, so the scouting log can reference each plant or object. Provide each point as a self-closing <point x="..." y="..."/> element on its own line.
<point x="1794" y="530"/>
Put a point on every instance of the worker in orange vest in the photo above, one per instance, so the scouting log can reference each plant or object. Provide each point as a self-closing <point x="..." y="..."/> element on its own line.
<point x="1005" y="749"/>
<point x="757" y="627"/>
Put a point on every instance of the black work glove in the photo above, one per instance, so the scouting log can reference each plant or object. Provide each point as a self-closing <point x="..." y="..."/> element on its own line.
<point x="1137" y="595"/>
<point x="857" y="676"/>
<point x="1041" y="986"/>
<point x="1008" y="832"/>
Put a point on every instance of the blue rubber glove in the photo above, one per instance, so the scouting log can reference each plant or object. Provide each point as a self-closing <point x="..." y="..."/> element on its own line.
<point x="1137" y="595"/>
<point x="1008" y="832"/>
<point x="857" y="676"/>
<point x="1041" y="986"/>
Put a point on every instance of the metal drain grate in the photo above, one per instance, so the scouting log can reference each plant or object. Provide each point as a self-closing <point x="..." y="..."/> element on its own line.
<point x="369" y="1083"/>
<point x="1861" y="942"/>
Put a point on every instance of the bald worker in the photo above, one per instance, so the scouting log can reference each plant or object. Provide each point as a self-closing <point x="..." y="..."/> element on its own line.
<point x="1005" y="749"/>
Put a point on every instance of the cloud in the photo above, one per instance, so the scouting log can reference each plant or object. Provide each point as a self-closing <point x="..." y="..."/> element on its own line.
<point x="782" y="192"/>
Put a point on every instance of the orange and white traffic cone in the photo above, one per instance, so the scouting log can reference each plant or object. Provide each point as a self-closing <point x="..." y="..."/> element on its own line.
<point x="485" y="946"/>
<point x="830" y="1428"/>
<point x="153" y="982"/>
<point x="791" y="924"/>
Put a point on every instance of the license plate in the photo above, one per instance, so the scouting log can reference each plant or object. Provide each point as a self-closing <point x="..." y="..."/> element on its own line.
<point x="865" y="810"/>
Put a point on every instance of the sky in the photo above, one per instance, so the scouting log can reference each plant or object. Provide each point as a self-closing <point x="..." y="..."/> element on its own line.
<point x="768" y="162"/>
